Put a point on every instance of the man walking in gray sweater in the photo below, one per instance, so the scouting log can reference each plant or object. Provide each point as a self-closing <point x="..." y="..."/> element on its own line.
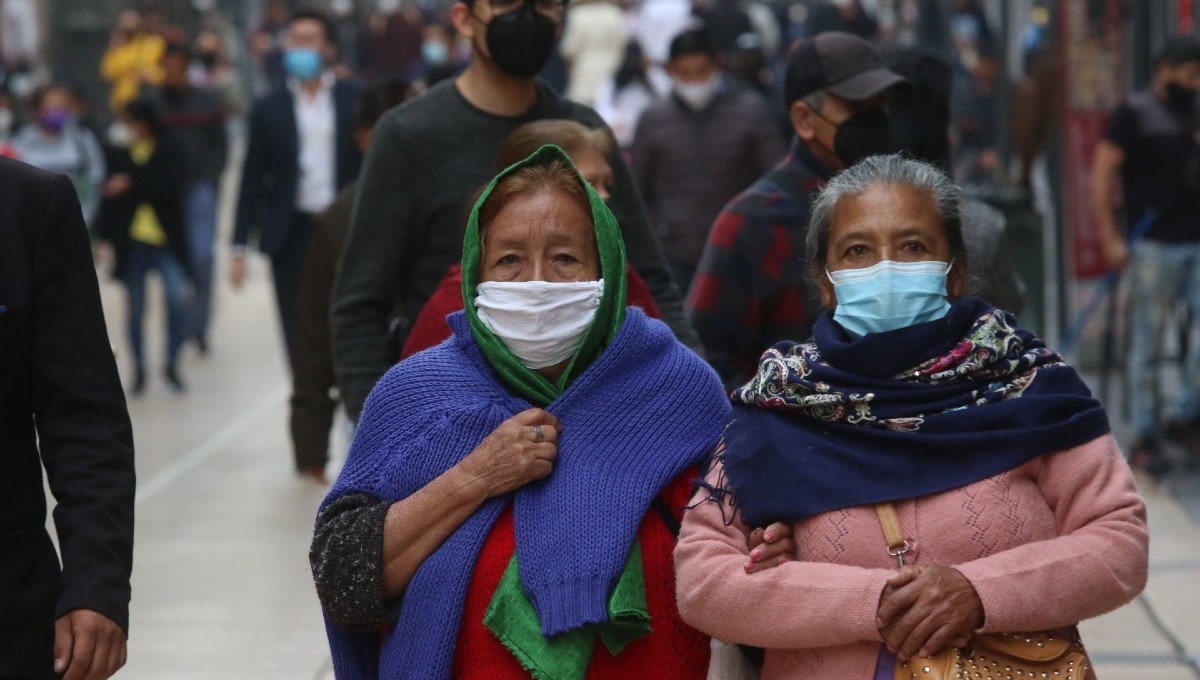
<point x="698" y="148"/>
<point x="427" y="158"/>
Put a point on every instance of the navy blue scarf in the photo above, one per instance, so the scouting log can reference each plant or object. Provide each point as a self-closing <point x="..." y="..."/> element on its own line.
<point x="837" y="422"/>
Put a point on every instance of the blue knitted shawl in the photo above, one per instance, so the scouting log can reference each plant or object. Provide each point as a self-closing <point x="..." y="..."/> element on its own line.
<point x="644" y="412"/>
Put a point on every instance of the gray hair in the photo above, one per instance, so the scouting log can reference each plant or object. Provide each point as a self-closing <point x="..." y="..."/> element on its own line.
<point x="896" y="169"/>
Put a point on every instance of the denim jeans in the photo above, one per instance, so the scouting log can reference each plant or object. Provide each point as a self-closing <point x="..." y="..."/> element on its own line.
<point x="1161" y="276"/>
<point x="200" y="213"/>
<point x="142" y="259"/>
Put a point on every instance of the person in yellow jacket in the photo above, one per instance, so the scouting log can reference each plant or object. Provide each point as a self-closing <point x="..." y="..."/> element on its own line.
<point x="131" y="60"/>
<point x="142" y="217"/>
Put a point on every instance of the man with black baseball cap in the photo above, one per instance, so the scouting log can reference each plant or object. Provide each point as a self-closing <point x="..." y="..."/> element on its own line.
<point x="749" y="291"/>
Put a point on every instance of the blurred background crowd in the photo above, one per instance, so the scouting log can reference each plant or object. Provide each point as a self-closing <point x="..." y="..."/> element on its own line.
<point x="1031" y="86"/>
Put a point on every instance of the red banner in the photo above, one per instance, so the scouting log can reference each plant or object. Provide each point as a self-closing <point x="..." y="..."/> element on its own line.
<point x="1091" y="32"/>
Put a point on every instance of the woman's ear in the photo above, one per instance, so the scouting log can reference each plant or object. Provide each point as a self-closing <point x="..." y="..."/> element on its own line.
<point x="825" y="289"/>
<point x="956" y="282"/>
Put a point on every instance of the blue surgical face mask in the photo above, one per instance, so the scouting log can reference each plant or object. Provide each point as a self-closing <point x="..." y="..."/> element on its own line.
<point x="302" y="63"/>
<point x="889" y="295"/>
<point x="434" y="53"/>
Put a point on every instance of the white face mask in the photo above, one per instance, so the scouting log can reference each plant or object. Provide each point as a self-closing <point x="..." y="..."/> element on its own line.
<point x="697" y="95"/>
<point x="543" y="323"/>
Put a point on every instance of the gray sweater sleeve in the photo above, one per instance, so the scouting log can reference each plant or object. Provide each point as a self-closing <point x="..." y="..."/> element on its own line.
<point x="644" y="253"/>
<point x="347" y="563"/>
<point x="364" y="294"/>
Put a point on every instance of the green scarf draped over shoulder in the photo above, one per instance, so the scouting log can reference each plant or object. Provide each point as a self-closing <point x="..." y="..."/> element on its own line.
<point x="511" y="616"/>
<point x="524" y="381"/>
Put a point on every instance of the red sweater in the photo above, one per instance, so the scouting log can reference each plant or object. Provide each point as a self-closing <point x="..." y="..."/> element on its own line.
<point x="674" y="651"/>
<point x="430" y="327"/>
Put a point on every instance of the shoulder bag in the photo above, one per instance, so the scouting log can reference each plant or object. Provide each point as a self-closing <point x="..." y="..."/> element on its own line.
<point x="992" y="656"/>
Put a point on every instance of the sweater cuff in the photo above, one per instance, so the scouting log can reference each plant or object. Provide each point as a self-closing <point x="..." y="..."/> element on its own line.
<point x="990" y="593"/>
<point x="567" y="605"/>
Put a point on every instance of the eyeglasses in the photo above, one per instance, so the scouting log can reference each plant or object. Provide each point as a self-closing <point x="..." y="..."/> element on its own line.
<point x="552" y="9"/>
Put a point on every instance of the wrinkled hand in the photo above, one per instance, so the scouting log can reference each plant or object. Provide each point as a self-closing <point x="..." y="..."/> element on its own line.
<point x="770" y="547"/>
<point x="511" y="456"/>
<point x="87" y="645"/>
<point x="924" y="608"/>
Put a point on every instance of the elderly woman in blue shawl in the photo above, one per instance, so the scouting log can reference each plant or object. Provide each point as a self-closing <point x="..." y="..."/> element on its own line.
<point x="508" y="507"/>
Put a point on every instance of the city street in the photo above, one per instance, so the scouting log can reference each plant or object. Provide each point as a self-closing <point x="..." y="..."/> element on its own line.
<point x="221" y="584"/>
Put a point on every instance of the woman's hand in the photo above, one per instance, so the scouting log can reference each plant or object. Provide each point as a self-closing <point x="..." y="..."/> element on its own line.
<point x="511" y="456"/>
<point x="924" y="608"/>
<point x="770" y="547"/>
<point x="522" y="449"/>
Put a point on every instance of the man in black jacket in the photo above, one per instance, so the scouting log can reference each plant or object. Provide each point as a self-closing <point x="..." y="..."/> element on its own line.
<point x="195" y="120"/>
<point x="300" y="153"/>
<point x="61" y="404"/>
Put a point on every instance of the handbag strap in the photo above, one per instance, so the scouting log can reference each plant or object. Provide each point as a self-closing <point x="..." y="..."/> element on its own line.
<point x="897" y="545"/>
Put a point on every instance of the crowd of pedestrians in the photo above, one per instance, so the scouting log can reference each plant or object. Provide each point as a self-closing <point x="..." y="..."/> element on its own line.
<point x="530" y="248"/>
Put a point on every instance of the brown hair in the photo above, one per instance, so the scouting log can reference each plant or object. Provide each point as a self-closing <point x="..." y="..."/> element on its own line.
<point x="571" y="136"/>
<point x="555" y="176"/>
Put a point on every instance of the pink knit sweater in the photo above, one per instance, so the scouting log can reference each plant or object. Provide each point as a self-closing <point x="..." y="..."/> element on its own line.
<point x="1055" y="541"/>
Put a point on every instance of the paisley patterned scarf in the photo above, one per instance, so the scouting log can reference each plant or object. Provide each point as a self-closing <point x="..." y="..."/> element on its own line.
<point x="838" y="422"/>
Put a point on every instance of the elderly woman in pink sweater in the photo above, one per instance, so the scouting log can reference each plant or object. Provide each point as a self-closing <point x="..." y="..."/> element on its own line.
<point x="1016" y="509"/>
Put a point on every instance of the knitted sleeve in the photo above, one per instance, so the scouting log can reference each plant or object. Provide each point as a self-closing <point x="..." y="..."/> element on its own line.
<point x="347" y="562"/>
<point x="1099" y="560"/>
<point x="773" y="608"/>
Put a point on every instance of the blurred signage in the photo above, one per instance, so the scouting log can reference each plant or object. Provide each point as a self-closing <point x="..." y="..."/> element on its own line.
<point x="1092" y="39"/>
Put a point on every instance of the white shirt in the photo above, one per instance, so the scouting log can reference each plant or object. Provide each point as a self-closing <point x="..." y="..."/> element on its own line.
<point x="659" y="21"/>
<point x="316" y="132"/>
<point x="19" y="30"/>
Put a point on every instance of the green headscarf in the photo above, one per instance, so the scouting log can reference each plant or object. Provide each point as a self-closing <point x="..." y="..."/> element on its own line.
<point x="511" y="616"/>
<point x="524" y="381"/>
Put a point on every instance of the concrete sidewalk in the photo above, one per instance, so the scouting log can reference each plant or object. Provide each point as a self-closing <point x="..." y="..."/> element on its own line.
<point x="1157" y="636"/>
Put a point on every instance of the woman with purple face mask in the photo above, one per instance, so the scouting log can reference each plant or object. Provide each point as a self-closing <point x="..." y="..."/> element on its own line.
<point x="54" y="142"/>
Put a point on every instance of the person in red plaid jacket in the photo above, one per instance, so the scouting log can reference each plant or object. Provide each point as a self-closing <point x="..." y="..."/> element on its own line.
<point x="750" y="291"/>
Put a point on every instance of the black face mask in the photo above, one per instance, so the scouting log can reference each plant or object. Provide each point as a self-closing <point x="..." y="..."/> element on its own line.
<point x="1181" y="99"/>
<point x="521" y="42"/>
<point x="208" y="60"/>
<point x="861" y="135"/>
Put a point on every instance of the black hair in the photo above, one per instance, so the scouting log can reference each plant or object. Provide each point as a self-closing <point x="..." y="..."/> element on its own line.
<point x="321" y="18"/>
<point x="177" y="49"/>
<point x="377" y="99"/>
<point x="1179" y="50"/>
<point x="692" y="41"/>
<point x="631" y="68"/>
<point x="142" y="110"/>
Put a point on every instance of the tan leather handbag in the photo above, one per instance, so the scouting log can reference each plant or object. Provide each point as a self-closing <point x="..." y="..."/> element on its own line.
<point x="1051" y="655"/>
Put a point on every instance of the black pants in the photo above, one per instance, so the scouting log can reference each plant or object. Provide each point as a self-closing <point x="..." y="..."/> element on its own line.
<point x="287" y="265"/>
